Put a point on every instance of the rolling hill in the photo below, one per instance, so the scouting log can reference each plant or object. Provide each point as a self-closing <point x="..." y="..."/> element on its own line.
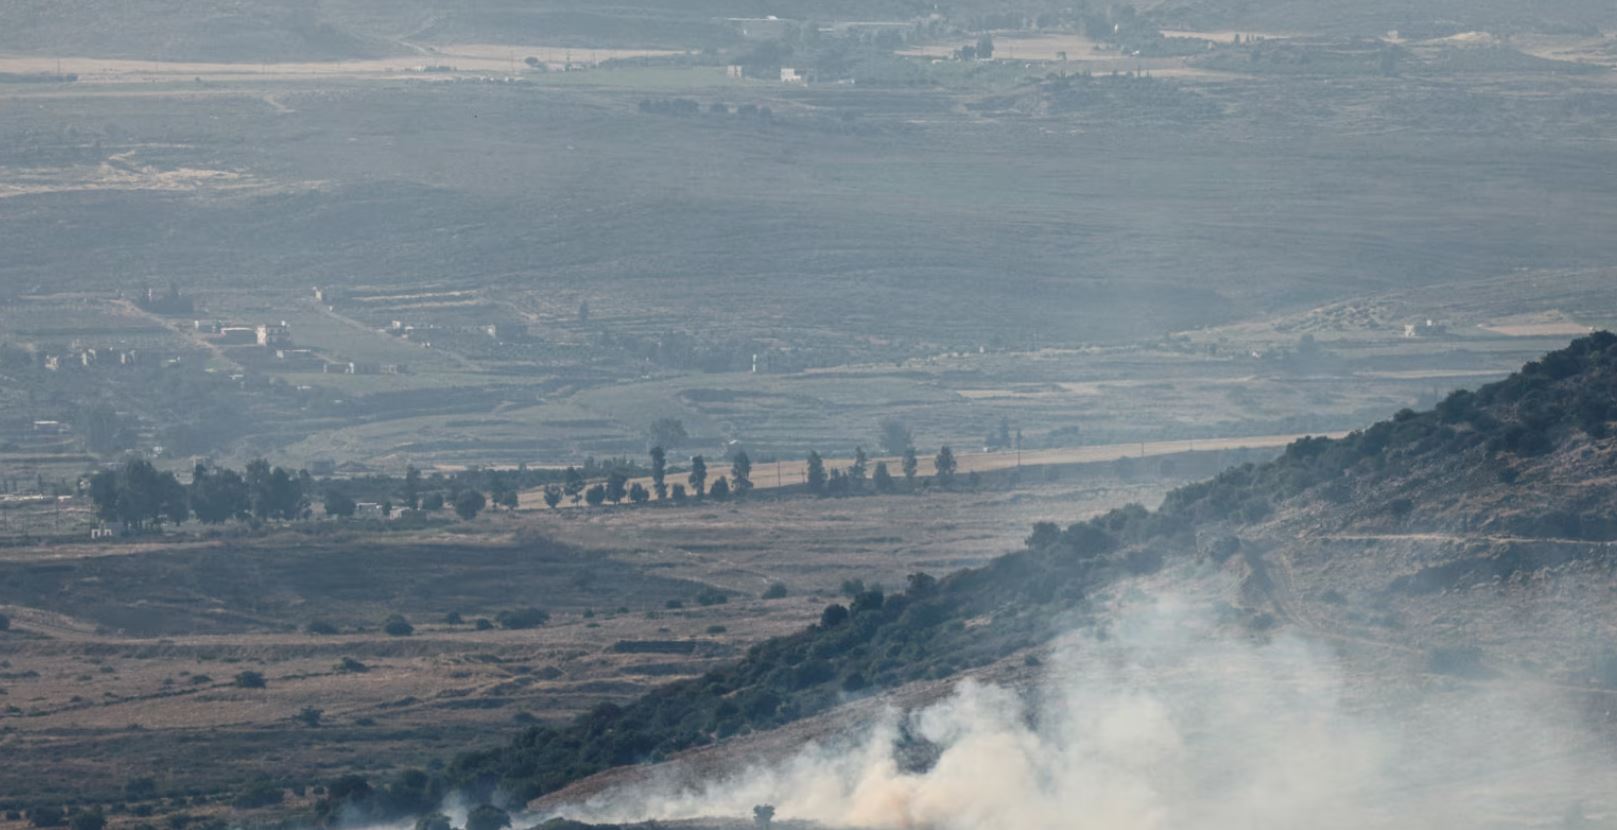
<point x="1421" y="537"/>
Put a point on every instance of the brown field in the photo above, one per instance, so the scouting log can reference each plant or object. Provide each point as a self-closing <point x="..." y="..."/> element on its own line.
<point x="121" y="658"/>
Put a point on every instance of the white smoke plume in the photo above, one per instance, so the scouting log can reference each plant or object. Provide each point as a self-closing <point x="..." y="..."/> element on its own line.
<point x="1171" y="722"/>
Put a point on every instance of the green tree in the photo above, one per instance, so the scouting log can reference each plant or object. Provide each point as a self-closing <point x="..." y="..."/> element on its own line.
<point x="616" y="486"/>
<point x="985" y="46"/>
<point x="741" y="472"/>
<point x="218" y="494"/>
<point x="945" y="465"/>
<point x="339" y="504"/>
<point x="883" y="479"/>
<point x="138" y="495"/>
<point x="412" y="487"/>
<point x="552" y="496"/>
<point x="638" y="493"/>
<point x="273" y="492"/>
<point x="573" y="483"/>
<point x="469" y="502"/>
<point x="910" y="464"/>
<point x="596" y="495"/>
<point x="659" y="472"/>
<point x="856" y="473"/>
<point x="501" y="491"/>
<point x="721" y="489"/>
<point x="895" y="437"/>
<point x="816" y="473"/>
<point x="698" y="476"/>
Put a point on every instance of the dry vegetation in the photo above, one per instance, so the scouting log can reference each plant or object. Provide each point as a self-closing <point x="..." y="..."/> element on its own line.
<point x="108" y="669"/>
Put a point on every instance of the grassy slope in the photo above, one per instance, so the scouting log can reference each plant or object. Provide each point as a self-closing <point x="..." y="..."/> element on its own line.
<point x="1556" y="410"/>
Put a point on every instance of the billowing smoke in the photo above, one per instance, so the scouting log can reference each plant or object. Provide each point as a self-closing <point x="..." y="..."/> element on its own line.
<point x="1169" y="721"/>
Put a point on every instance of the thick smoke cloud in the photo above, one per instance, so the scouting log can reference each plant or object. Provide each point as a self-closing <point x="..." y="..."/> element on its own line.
<point x="1169" y="720"/>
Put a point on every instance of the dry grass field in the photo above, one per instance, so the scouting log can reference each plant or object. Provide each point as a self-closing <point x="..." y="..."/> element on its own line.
<point x="121" y="660"/>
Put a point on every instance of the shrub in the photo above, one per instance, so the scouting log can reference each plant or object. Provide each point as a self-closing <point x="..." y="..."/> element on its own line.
<point x="351" y="666"/>
<point x="46" y="816"/>
<point x="776" y="590"/>
<point x="712" y="596"/>
<point x="453" y="618"/>
<point x="483" y="624"/>
<point x="520" y="618"/>
<point x="309" y="716"/>
<point x="320" y="627"/>
<point x="88" y="820"/>
<point x="261" y="794"/>
<point x="249" y="680"/>
<point x="5" y="622"/>
<point x="469" y="503"/>
<point x="398" y="626"/>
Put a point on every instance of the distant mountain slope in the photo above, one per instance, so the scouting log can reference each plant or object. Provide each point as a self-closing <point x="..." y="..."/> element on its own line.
<point x="1530" y="455"/>
<point x="1428" y="18"/>
<point x="281" y="30"/>
<point x="213" y="30"/>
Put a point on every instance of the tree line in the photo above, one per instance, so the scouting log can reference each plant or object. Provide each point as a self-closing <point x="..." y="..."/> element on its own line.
<point x="138" y="496"/>
<point x="820" y="479"/>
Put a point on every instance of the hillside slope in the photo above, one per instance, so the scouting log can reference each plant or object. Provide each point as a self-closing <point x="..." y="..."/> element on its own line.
<point x="1499" y="500"/>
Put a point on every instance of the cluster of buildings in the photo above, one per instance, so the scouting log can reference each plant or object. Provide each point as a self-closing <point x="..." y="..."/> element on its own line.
<point x="268" y="335"/>
<point x="276" y="339"/>
<point x="788" y="74"/>
<point x="82" y="357"/>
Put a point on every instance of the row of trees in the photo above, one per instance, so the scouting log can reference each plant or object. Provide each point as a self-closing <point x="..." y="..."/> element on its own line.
<point x="821" y="480"/>
<point x="138" y="495"/>
<point x="617" y="486"/>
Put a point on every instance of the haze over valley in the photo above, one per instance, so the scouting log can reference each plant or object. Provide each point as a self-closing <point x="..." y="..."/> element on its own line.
<point x="715" y="413"/>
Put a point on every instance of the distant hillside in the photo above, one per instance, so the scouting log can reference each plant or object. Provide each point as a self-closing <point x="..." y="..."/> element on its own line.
<point x="1532" y="455"/>
<point x="1427" y="18"/>
<point x="282" y="30"/>
<point x="214" y="30"/>
<point x="295" y="30"/>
